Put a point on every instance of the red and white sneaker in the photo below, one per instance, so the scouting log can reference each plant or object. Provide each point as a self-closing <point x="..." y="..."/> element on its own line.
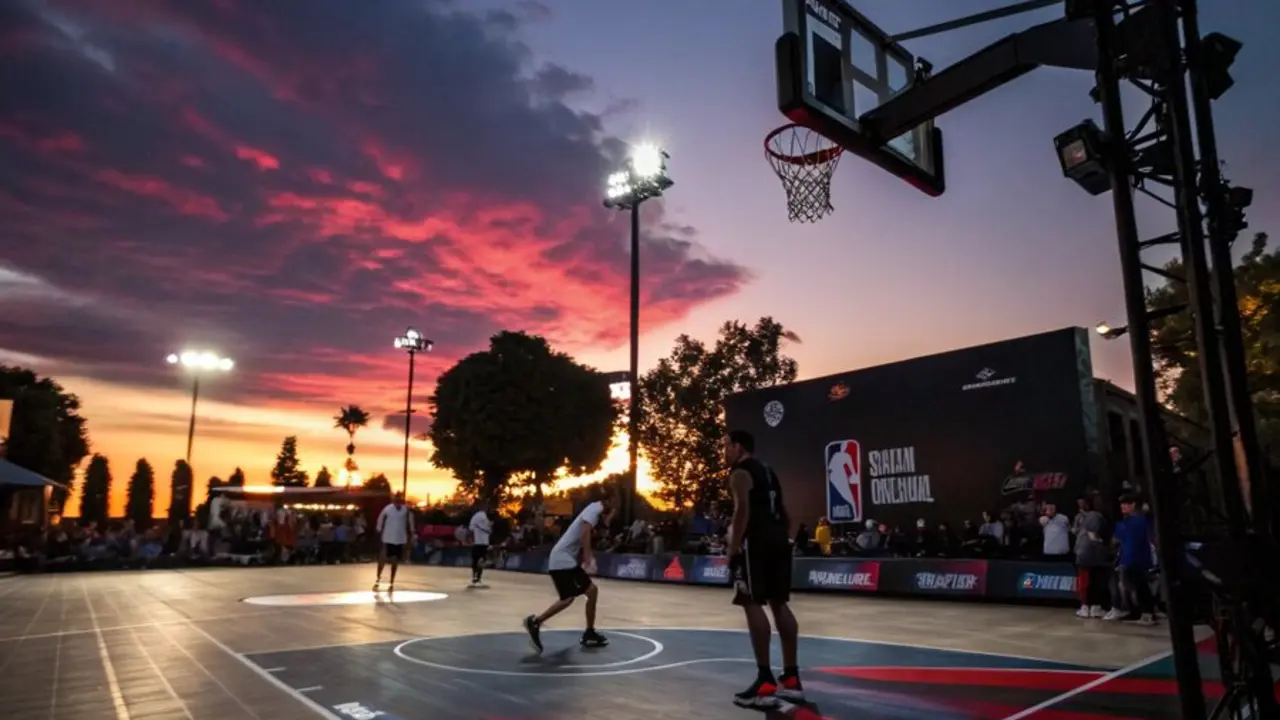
<point x="790" y="689"/>
<point x="759" y="695"/>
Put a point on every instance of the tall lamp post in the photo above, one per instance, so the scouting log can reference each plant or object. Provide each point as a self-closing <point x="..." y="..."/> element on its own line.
<point x="643" y="177"/>
<point x="413" y="343"/>
<point x="198" y="363"/>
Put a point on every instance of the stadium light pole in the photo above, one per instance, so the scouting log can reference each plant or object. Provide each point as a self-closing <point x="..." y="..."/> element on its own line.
<point x="198" y="363"/>
<point x="413" y="343"/>
<point x="643" y="177"/>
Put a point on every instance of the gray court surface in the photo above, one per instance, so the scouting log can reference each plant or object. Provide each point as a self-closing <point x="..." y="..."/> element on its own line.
<point x="185" y="644"/>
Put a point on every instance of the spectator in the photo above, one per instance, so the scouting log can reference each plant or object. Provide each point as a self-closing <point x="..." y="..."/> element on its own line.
<point x="869" y="540"/>
<point x="1057" y="533"/>
<point x="822" y="536"/>
<point x="1133" y="536"/>
<point x="992" y="528"/>
<point x="802" y="540"/>
<point x="1093" y="569"/>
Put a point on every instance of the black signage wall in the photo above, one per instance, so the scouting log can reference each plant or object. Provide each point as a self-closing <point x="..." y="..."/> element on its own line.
<point x="935" y="437"/>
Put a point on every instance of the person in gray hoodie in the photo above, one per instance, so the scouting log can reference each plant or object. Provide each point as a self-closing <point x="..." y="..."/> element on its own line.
<point x="1092" y="561"/>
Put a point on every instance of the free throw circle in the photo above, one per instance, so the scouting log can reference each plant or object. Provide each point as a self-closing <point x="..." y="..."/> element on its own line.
<point x="517" y="640"/>
<point x="359" y="597"/>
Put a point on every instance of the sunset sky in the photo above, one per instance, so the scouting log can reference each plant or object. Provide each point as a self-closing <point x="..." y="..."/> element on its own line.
<point x="291" y="184"/>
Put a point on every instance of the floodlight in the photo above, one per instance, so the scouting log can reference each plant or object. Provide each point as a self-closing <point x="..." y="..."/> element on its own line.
<point x="647" y="160"/>
<point x="1219" y="52"/>
<point x="1108" y="332"/>
<point x="413" y="341"/>
<point x="200" y="361"/>
<point x="1082" y="155"/>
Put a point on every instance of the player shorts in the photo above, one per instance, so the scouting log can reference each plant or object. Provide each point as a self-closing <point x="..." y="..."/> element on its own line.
<point x="761" y="574"/>
<point x="393" y="551"/>
<point x="571" y="583"/>
<point x="479" y="552"/>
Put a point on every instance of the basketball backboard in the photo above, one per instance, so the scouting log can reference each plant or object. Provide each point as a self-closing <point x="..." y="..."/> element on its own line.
<point x="834" y="66"/>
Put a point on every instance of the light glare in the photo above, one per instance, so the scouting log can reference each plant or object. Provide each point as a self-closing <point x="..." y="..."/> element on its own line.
<point x="201" y="361"/>
<point x="646" y="160"/>
<point x="1103" y="329"/>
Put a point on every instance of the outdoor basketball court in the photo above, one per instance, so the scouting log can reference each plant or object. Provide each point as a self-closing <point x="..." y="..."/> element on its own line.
<point x="314" y="642"/>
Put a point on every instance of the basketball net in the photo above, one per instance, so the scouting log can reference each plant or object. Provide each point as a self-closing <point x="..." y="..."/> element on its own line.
<point x="804" y="161"/>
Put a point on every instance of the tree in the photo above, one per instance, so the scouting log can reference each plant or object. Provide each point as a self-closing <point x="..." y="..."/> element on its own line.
<point x="180" y="492"/>
<point x="236" y="479"/>
<point x="287" y="471"/>
<point x="215" y="482"/>
<point x="378" y="482"/>
<point x="323" y="478"/>
<point x="141" y="495"/>
<point x="682" y="404"/>
<point x="47" y="435"/>
<point x="96" y="493"/>
<point x="1173" y="341"/>
<point x="351" y="418"/>
<point x="519" y="409"/>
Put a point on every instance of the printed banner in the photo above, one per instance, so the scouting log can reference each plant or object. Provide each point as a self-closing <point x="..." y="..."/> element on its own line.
<point x="949" y="577"/>
<point x="673" y="569"/>
<point x="1059" y="584"/>
<point x="860" y="576"/>
<point x="625" y="567"/>
<point x="710" y="570"/>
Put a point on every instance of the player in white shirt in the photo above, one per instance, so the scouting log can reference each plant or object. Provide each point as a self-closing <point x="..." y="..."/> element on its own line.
<point x="571" y="564"/>
<point x="395" y="529"/>
<point x="481" y="529"/>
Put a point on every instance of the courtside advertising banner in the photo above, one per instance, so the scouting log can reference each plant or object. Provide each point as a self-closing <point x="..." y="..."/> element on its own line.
<point x="709" y="570"/>
<point x="860" y="576"/>
<point x="948" y="577"/>
<point x="625" y="567"/>
<point x="673" y="569"/>
<point x="1059" y="585"/>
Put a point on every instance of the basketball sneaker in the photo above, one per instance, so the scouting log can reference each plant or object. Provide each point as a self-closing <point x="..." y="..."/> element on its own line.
<point x="790" y="689"/>
<point x="591" y="638"/>
<point x="761" y="694"/>
<point x="532" y="627"/>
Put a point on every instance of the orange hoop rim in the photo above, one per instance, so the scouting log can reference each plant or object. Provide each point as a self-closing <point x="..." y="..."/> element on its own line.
<point x="817" y="157"/>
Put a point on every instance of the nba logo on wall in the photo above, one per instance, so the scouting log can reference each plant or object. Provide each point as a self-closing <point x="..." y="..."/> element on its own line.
<point x="844" y="481"/>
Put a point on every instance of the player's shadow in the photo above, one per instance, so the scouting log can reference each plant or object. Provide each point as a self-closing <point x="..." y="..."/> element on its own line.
<point x="794" y="711"/>
<point x="557" y="659"/>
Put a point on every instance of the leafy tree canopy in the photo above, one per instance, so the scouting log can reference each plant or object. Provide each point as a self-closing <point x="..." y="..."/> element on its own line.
<point x="324" y="478"/>
<point x="236" y="479"/>
<point x="519" y="408"/>
<point x="1257" y="279"/>
<point x="350" y="419"/>
<point x="682" y="404"/>
<point x="287" y="470"/>
<point x="180" y="491"/>
<point x="378" y="481"/>
<point x="47" y="434"/>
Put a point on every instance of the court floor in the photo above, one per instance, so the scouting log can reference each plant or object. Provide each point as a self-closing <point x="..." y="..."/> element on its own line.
<point x="316" y="642"/>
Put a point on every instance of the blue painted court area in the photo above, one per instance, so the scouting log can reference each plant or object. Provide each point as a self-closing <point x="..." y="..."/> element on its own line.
<point x="649" y="673"/>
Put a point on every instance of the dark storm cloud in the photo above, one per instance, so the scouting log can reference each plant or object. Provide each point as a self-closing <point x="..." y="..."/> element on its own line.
<point x="293" y="183"/>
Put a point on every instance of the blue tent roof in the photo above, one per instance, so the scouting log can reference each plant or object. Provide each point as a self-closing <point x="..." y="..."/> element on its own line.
<point x="11" y="474"/>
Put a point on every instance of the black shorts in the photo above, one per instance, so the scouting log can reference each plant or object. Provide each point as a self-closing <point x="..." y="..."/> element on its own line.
<point x="479" y="552"/>
<point x="761" y="574"/>
<point x="571" y="583"/>
<point x="393" y="552"/>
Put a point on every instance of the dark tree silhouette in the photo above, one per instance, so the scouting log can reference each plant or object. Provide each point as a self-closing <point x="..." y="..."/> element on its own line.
<point x="180" y="492"/>
<point x="323" y="478"/>
<point x="236" y="479"/>
<point x="47" y="435"/>
<point x="378" y="481"/>
<point x="96" y="493"/>
<point x="141" y="495"/>
<point x="519" y="409"/>
<point x="682" y="404"/>
<point x="287" y="470"/>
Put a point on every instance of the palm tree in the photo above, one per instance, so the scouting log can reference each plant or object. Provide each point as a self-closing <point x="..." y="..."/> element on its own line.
<point x="351" y="418"/>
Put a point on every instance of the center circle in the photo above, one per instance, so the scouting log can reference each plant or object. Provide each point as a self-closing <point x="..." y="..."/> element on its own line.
<point x="358" y="597"/>
<point x="507" y="643"/>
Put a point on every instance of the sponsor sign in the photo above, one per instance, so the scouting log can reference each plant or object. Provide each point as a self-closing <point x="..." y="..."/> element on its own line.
<point x="674" y="571"/>
<point x="988" y="378"/>
<point x="959" y="577"/>
<point x="631" y="567"/>
<point x="1043" y="585"/>
<point x="710" y="570"/>
<point x="894" y="478"/>
<point x="831" y="575"/>
<point x="773" y="412"/>
<point x="844" y="481"/>
<point x="1033" y="482"/>
<point x="839" y="391"/>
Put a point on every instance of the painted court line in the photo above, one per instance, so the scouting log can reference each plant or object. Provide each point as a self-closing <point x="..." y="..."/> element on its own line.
<point x="1059" y="699"/>
<point x="113" y="684"/>
<point x="275" y="669"/>
<point x="312" y="688"/>
<point x="316" y="707"/>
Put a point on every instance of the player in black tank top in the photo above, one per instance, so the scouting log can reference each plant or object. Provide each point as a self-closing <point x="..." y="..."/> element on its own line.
<point x="760" y="565"/>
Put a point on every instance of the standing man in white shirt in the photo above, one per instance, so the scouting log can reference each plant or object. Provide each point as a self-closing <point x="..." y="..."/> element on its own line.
<point x="1057" y="533"/>
<point x="571" y="565"/>
<point x="395" y="527"/>
<point x="481" y="530"/>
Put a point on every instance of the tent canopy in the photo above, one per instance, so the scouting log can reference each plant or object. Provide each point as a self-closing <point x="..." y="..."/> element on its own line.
<point x="11" y="474"/>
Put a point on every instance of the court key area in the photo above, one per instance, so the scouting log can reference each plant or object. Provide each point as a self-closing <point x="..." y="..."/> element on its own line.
<point x="316" y="642"/>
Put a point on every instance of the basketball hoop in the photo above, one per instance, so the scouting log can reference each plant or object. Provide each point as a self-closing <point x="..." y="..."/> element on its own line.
<point x="804" y="161"/>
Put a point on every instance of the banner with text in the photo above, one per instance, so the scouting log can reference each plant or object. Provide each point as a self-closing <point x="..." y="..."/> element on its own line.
<point x="815" y="574"/>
